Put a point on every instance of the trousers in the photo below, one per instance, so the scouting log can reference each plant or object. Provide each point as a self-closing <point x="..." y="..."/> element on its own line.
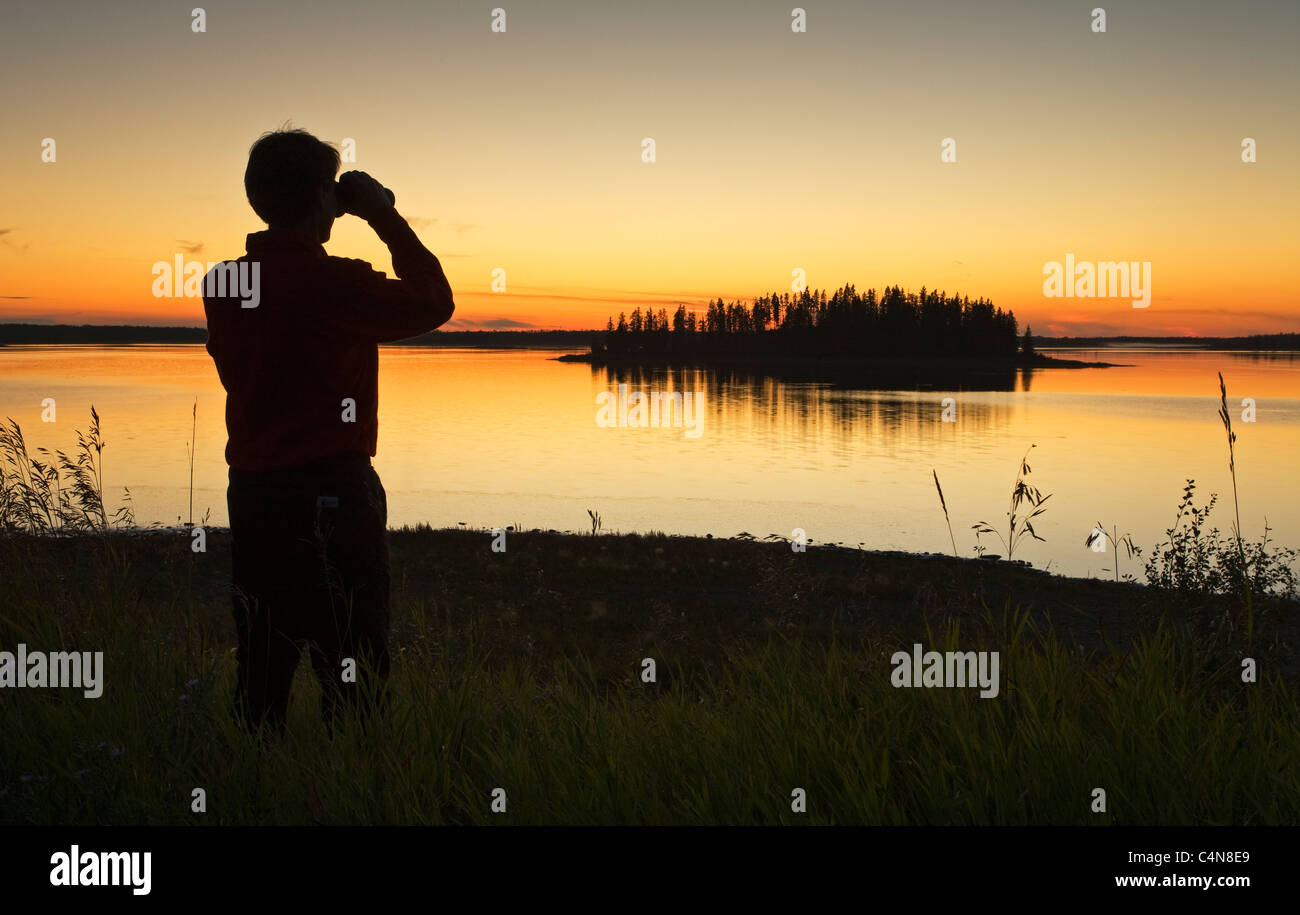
<point x="310" y="571"/>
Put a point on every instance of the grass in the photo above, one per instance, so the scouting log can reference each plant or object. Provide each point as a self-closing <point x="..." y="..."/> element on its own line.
<point x="194" y="428"/>
<point x="522" y="671"/>
<point x="1226" y="418"/>
<point x="1018" y="524"/>
<point x="50" y="492"/>
<point x="944" y="506"/>
<point x="1100" y="535"/>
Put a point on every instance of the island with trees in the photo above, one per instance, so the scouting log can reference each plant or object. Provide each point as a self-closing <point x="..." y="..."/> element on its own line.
<point x="892" y="333"/>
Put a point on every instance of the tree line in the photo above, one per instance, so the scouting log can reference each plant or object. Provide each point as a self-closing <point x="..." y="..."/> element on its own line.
<point x="847" y="322"/>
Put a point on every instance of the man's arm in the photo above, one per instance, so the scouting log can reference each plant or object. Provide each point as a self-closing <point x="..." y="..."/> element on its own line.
<point x="363" y="304"/>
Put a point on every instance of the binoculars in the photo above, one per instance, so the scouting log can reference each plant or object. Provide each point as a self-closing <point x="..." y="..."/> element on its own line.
<point x="343" y="194"/>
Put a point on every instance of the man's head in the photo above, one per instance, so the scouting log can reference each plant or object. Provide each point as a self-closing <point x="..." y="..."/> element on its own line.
<point x="290" y="182"/>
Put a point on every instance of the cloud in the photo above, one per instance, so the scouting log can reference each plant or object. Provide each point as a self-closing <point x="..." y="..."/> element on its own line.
<point x="487" y="324"/>
<point x="610" y="298"/>
<point x="1171" y="323"/>
<point x="190" y="247"/>
<point x="426" y="222"/>
<point x="1088" y="329"/>
<point x="1228" y="310"/>
<point x="15" y="297"/>
<point x="4" y="239"/>
<point x="103" y="317"/>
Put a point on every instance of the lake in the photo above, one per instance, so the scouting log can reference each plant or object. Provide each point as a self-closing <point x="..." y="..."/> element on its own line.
<point x="494" y="438"/>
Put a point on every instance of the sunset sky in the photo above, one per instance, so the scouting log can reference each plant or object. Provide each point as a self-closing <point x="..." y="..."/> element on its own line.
<point x="775" y="150"/>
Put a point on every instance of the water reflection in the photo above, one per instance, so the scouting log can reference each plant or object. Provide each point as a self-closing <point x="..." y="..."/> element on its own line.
<point x="939" y="376"/>
<point x="777" y="408"/>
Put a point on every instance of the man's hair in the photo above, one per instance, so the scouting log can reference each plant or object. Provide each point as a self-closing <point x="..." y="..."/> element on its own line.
<point x="285" y="170"/>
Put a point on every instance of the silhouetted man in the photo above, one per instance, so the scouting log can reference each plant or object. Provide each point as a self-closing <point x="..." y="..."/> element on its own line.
<point x="299" y="361"/>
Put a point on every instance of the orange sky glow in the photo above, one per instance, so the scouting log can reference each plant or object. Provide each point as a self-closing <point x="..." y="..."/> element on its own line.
<point x="775" y="151"/>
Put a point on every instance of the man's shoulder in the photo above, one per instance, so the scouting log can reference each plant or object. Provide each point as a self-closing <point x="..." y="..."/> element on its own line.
<point x="352" y="268"/>
<point x="348" y="263"/>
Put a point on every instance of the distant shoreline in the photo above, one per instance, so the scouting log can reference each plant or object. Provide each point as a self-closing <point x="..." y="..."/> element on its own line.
<point x="863" y="363"/>
<point x="20" y="334"/>
<point x="128" y="334"/>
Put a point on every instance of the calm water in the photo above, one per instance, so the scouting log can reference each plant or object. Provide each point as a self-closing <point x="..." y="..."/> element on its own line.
<point x="510" y="437"/>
